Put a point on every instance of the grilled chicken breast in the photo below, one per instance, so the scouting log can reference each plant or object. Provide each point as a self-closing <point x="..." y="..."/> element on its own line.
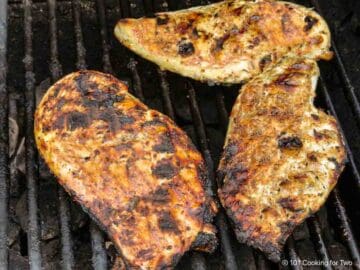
<point x="136" y="173"/>
<point x="282" y="156"/>
<point x="226" y="42"/>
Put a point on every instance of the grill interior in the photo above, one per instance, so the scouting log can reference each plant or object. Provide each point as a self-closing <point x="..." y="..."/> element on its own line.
<point x="41" y="227"/>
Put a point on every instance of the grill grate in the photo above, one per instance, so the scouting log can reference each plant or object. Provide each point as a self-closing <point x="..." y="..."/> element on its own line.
<point x="31" y="172"/>
<point x="135" y="8"/>
<point x="4" y="138"/>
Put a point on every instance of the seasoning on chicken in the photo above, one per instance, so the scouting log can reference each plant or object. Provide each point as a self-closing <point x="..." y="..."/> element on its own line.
<point x="282" y="156"/>
<point x="227" y="42"/>
<point x="131" y="168"/>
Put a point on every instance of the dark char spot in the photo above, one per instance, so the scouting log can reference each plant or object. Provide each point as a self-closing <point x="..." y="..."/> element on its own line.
<point x="102" y="100"/>
<point x="195" y="33"/>
<point x="59" y="122"/>
<point x="185" y="48"/>
<point x="300" y="66"/>
<point x="161" y="195"/>
<point x="286" y="80"/>
<point x="337" y="164"/>
<point x="155" y="122"/>
<point x="124" y="119"/>
<point x="77" y="120"/>
<point x="164" y="169"/>
<point x="255" y="18"/>
<point x="133" y="203"/>
<point x="165" y="145"/>
<point x="183" y="27"/>
<point x="57" y="89"/>
<point x="162" y="19"/>
<point x="230" y="150"/>
<point x="219" y="42"/>
<point x="60" y="103"/>
<point x="115" y="119"/>
<point x="264" y="61"/>
<point x="145" y="254"/>
<point x="286" y="227"/>
<point x="167" y="223"/>
<point x="84" y="84"/>
<point x="309" y="22"/>
<point x="288" y="203"/>
<point x="285" y="19"/>
<point x="237" y="11"/>
<point x="291" y="142"/>
<point x="237" y="173"/>
<point x="312" y="157"/>
<point x="205" y="241"/>
<point x="315" y="117"/>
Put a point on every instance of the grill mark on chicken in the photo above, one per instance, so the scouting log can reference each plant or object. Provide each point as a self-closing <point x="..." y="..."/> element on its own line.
<point x="204" y="240"/>
<point x="136" y="174"/>
<point x="161" y="195"/>
<point x="288" y="203"/>
<point x="165" y="144"/>
<point x="164" y="169"/>
<point x="285" y="22"/>
<point x="265" y="61"/>
<point x="225" y="42"/>
<point x="147" y="254"/>
<point x="310" y="22"/>
<point x="219" y="42"/>
<point x="77" y="120"/>
<point x="162" y="19"/>
<point x="167" y="223"/>
<point x="291" y="142"/>
<point x="186" y="48"/>
<point x="230" y="151"/>
<point x="289" y="161"/>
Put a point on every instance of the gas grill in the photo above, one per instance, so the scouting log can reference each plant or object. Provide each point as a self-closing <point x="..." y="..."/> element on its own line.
<point x="41" y="228"/>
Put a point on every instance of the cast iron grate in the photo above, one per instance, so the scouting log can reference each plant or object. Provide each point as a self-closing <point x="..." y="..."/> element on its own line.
<point x="174" y="96"/>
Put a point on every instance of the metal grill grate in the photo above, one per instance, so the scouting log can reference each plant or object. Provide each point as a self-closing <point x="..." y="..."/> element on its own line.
<point x="230" y="254"/>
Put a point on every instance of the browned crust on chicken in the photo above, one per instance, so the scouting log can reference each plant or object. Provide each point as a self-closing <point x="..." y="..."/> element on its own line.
<point x="131" y="168"/>
<point x="282" y="156"/>
<point x="227" y="42"/>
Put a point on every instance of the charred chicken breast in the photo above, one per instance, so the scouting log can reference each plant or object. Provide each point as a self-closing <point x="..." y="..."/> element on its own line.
<point x="282" y="155"/>
<point x="227" y="42"/>
<point x="131" y="168"/>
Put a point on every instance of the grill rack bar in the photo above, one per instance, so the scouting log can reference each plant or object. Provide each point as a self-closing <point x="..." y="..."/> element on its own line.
<point x="31" y="153"/>
<point x="350" y="93"/>
<point x="165" y="90"/>
<point x="335" y="196"/>
<point x="4" y="140"/>
<point x="350" y="89"/>
<point x="99" y="258"/>
<point x="80" y="48"/>
<point x="230" y="261"/>
<point x="320" y="247"/>
<point x="293" y="256"/>
<point x="64" y="207"/>
<point x="104" y="37"/>
<point x="346" y="229"/>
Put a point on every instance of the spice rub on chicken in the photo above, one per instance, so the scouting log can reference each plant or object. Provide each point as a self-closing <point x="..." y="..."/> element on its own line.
<point x="131" y="168"/>
<point x="226" y="42"/>
<point x="282" y="156"/>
